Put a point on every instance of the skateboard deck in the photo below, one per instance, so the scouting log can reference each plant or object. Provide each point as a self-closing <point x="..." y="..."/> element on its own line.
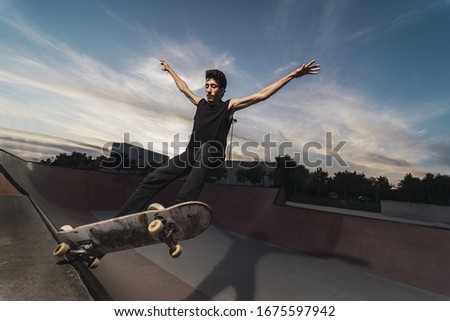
<point x="91" y="242"/>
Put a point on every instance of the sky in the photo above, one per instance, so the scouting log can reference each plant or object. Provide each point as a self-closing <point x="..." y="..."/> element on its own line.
<point x="79" y="75"/>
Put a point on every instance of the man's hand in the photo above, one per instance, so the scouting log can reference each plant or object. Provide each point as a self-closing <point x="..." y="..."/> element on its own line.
<point x="182" y="86"/>
<point x="263" y="94"/>
<point x="308" y="69"/>
<point x="165" y="65"/>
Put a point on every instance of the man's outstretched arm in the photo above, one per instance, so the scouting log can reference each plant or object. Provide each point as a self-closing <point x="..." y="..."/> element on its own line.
<point x="182" y="86"/>
<point x="308" y="69"/>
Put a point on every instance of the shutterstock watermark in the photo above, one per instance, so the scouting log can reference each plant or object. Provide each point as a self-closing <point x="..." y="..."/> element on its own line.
<point x="209" y="154"/>
<point x="271" y="148"/>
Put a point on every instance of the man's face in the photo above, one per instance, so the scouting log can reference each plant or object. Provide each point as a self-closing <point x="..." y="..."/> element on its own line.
<point x="213" y="91"/>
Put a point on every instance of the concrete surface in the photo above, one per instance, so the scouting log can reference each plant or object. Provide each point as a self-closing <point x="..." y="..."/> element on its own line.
<point x="426" y="213"/>
<point x="27" y="271"/>
<point x="258" y="249"/>
<point x="229" y="266"/>
<point x="411" y="254"/>
<point x="6" y="188"/>
<point x="378" y="216"/>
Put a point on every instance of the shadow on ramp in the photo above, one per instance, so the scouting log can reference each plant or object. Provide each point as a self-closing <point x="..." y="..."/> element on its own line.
<point x="236" y="270"/>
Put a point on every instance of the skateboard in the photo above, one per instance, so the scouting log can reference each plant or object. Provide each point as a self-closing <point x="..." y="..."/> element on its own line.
<point x="89" y="243"/>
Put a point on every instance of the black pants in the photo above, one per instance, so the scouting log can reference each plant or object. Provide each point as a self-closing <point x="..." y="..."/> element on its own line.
<point x="194" y="161"/>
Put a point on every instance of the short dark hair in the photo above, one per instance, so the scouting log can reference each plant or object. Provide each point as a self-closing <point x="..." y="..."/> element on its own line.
<point x="218" y="75"/>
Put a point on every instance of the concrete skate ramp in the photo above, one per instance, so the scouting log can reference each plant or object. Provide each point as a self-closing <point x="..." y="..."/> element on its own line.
<point x="26" y="272"/>
<point x="366" y="251"/>
<point x="407" y="253"/>
<point x="72" y="196"/>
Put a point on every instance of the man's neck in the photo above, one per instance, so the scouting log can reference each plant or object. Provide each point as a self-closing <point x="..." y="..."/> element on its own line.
<point x="215" y="103"/>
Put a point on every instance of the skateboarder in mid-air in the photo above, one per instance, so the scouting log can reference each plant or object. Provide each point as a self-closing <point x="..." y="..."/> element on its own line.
<point x="207" y="144"/>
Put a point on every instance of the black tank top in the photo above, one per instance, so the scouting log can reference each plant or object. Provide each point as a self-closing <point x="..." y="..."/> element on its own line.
<point x="211" y="124"/>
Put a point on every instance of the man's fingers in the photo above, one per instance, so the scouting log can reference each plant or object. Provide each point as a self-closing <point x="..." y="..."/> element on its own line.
<point x="314" y="68"/>
<point x="310" y="63"/>
<point x="164" y="64"/>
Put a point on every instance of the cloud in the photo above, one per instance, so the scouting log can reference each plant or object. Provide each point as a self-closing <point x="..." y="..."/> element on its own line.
<point x="380" y="140"/>
<point x="48" y="88"/>
<point x="190" y="57"/>
<point x="74" y="96"/>
<point x="371" y="21"/>
<point x="35" y="147"/>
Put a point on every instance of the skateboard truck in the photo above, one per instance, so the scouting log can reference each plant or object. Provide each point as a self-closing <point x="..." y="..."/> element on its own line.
<point x="80" y="253"/>
<point x="72" y="255"/>
<point x="92" y="262"/>
<point x="164" y="231"/>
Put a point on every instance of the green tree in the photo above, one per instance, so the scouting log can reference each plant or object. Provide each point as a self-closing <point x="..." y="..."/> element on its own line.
<point x="381" y="186"/>
<point x="254" y="175"/>
<point x="319" y="180"/>
<point x="352" y="184"/>
<point x="281" y="175"/>
<point x="428" y="188"/>
<point x="299" y="177"/>
<point x="75" y="160"/>
<point x="409" y="188"/>
<point x="442" y="189"/>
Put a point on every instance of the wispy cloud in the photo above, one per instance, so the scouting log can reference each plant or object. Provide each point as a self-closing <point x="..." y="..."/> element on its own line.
<point x="190" y="57"/>
<point x="372" y="22"/>
<point x="47" y="87"/>
<point x="35" y="147"/>
<point x="78" y="96"/>
<point x="380" y="140"/>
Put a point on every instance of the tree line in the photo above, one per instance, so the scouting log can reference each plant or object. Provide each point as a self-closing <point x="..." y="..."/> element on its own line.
<point x="346" y="185"/>
<point x="297" y="179"/>
<point x="119" y="162"/>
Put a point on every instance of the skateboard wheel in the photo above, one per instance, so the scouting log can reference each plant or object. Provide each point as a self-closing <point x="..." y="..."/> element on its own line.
<point x="61" y="249"/>
<point x="176" y="252"/>
<point x="155" y="206"/>
<point x="66" y="228"/>
<point x="156" y="227"/>
<point x="95" y="262"/>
